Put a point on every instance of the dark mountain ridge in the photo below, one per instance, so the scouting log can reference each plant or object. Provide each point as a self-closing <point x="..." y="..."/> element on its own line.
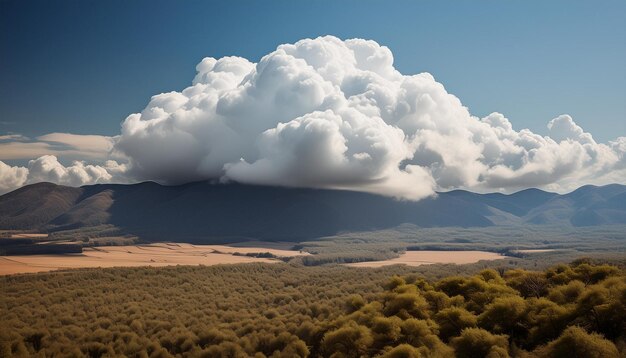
<point x="202" y="212"/>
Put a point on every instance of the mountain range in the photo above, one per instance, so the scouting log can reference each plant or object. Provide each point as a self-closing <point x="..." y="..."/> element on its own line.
<point x="203" y="211"/>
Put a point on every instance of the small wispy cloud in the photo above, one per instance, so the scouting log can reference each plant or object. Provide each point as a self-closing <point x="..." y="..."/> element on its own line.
<point x="13" y="137"/>
<point x="17" y="146"/>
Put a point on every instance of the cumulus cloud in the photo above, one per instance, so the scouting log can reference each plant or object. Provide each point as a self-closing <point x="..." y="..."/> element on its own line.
<point x="74" y="148"/>
<point x="564" y="128"/>
<point x="11" y="177"/>
<point x="336" y="114"/>
<point x="328" y="113"/>
<point x="47" y="168"/>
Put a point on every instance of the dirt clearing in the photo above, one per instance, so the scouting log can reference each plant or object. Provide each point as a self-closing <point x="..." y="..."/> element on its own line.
<point x="417" y="258"/>
<point x="161" y="254"/>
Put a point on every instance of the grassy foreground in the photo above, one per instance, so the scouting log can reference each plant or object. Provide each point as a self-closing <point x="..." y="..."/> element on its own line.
<point x="288" y="310"/>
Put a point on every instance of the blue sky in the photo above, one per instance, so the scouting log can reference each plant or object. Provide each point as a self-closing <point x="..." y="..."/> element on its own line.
<point x="83" y="66"/>
<point x="323" y="113"/>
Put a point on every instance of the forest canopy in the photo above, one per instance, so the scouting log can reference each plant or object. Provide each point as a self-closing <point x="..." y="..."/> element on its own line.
<point x="287" y="310"/>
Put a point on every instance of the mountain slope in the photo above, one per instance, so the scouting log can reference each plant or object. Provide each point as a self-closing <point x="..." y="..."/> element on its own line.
<point x="36" y="205"/>
<point x="586" y="206"/>
<point x="200" y="212"/>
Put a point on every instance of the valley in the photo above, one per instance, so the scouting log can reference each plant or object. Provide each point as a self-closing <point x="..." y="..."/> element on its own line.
<point x="205" y="270"/>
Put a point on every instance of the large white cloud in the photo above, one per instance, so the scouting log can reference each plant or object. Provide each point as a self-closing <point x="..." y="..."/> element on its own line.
<point x="336" y="114"/>
<point x="328" y="113"/>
